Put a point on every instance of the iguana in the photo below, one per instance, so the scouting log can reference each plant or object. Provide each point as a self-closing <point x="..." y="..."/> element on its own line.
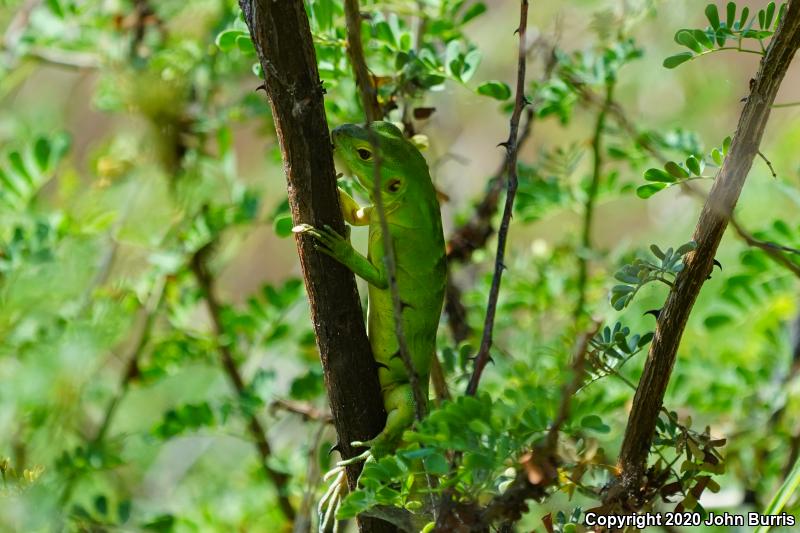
<point x="412" y="213"/>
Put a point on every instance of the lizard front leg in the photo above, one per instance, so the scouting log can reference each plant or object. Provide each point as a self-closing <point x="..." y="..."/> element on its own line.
<point x="353" y="214"/>
<point x="331" y="243"/>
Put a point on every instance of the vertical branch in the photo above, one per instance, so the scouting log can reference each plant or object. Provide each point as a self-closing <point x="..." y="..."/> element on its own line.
<point x="355" y="52"/>
<point x="511" y="149"/>
<point x="709" y="231"/>
<point x="283" y="42"/>
<point x="591" y="198"/>
<point x="206" y="283"/>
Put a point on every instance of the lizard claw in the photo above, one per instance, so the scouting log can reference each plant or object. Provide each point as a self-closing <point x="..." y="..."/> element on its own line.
<point x="302" y="228"/>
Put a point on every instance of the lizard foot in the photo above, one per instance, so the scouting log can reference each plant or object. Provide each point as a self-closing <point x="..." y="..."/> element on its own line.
<point x="331" y="500"/>
<point x="328" y="241"/>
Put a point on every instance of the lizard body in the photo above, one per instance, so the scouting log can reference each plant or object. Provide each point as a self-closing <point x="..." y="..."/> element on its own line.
<point x="412" y="214"/>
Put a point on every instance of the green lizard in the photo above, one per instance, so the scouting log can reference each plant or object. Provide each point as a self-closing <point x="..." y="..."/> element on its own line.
<point x="412" y="213"/>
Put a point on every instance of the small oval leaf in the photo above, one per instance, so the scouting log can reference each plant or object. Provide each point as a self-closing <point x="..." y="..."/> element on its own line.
<point x="677" y="59"/>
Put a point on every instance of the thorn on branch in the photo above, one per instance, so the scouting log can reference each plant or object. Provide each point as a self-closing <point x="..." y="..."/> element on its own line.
<point x="769" y="164"/>
<point x="655" y="312"/>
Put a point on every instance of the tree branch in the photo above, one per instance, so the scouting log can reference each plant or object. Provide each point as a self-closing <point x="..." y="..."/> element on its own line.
<point x="511" y="149"/>
<point x="355" y="52"/>
<point x="588" y="215"/>
<point x="283" y="42"/>
<point x="206" y="283"/>
<point x="711" y="226"/>
<point x="775" y="251"/>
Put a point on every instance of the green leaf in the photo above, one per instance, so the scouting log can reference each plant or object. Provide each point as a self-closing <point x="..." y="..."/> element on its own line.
<point x="226" y="40"/>
<point x="471" y="62"/>
<point x="101" y="504"/>
<point x="658" y="175"/>
<point x="716" y="321"/>
<point x="726" y="145"/>
<point x="685" y="38"/>
<point x="770" y="14"/>
<point x="41" y="153"/>
<point x="677" y="59"/>
<point x="124" y="511"/>
<point x="712" y="15"/>
<point x="743" y="16"/>
<point x="55" y="7"/>
<point x="245" y="44"/>
<point x="646" y="191"/>
<point x="283" y="226"/>
<point x="657" y="251"/>
<point x="731" y="14"/>
<point x="436" y="464"/>
<point x="716" y="156"/>
<point x="694" y="165"/>
<point x="676" y="170"/>
<point x="686" y="248"/>
<point x="595" y="423"/>
<point x="781" y="13"/>
<point x="494" y="89"/>
<point x="702" y="37"/>
<point x="475" y="10"/>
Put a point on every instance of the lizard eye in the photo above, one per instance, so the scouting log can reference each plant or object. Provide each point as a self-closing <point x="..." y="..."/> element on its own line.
<point x="394" y="186"/>
<point x="364" y="154"/>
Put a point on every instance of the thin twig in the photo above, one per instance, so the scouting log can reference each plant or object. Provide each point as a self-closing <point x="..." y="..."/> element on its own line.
<point x="303" y="522"/>
<point x="355" y="51"/>
<point x="578" y="371"/>
<point x="591" y="198"/>
<point x="475" y="233"/>
<point x="306" y="411"/>
<point x="775" y="251"/>
<point x="511" y="148"/>
<point x="206" y="283"/>
<point x="768" y="162"/>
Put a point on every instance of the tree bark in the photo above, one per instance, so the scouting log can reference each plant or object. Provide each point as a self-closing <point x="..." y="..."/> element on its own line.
<point x="708" y="234"/>
<point x="282" y="38"/>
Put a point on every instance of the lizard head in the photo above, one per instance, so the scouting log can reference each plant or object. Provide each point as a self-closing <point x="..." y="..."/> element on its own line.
<point x="402" y="167"/>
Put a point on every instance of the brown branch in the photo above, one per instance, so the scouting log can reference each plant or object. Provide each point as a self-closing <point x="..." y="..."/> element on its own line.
<point x="307" y="411"/>
<point x="205" y="281"/>
<point x="302" y="523"/>
<point x="282" y="38"/>
<point x="355" y="52"/>
<point x="456" y="312"/>
<point x="474" y="234"/>
<point x="724" y="194"/>
<point x="511" y="149"/>
<point x="588" y="216"/>
<point x="773" y="250"/>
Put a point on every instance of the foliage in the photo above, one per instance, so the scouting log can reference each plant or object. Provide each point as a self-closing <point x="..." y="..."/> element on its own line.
<point x="135" y="156"/>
